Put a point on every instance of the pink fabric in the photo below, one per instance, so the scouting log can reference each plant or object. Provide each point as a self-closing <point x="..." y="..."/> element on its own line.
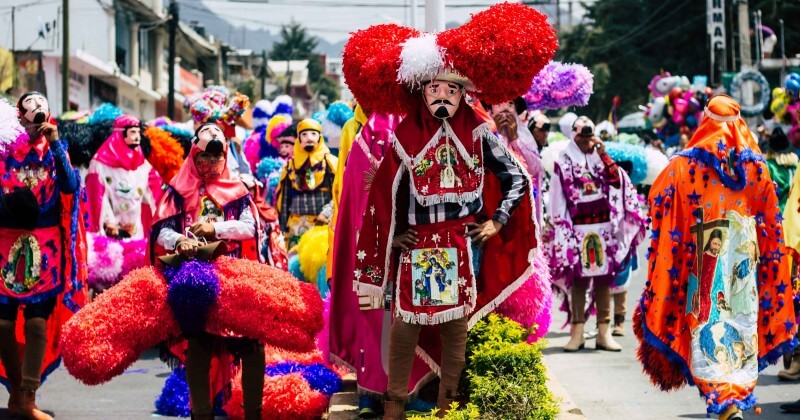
<point x="355" y="330"/>
<point x="115" y="152"/>
<point x="252" y="150"/>
<point x="187" y="183"/>
<point x="95" y="191"/>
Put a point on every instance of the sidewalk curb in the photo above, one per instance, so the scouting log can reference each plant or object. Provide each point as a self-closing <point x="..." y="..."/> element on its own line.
<point x="569" y="410"/>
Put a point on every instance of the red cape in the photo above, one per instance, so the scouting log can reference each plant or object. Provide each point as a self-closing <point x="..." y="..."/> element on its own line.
<point x="506" y="258"/>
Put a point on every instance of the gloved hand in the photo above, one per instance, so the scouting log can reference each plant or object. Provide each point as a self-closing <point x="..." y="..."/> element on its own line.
<point x="22" y="207"/>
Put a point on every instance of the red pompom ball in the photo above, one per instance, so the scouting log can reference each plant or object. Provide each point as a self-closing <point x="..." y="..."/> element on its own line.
<point x="287" y="397"/>
<point x="108" y="335"/>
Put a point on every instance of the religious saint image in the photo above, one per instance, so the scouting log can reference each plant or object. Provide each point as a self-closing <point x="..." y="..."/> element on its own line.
<point x="435" y="276"/>
<point x="589" y="187"/>
<point x="209" y="211"/>
<point x="723" y="307"/>
<point x="593" y="253"/>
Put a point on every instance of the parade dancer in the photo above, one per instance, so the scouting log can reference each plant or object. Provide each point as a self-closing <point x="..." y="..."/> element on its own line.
<point x="204" y="202"/>
<point x="121" y="188"/>
<point x="594" y="210"/>
<point x="304" y="191"/>
<point x="42" y="250"/>
<point x="513" y="133"/>
<point x="717" y="306"/>
<point x="440" y="199"/>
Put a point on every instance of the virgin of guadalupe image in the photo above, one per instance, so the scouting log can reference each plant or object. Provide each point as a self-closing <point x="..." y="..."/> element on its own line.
<point x="592" y="252"/>
<point x="743" y="293"/>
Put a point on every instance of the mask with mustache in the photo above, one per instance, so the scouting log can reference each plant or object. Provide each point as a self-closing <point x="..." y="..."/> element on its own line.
<point x="441" y="111"/>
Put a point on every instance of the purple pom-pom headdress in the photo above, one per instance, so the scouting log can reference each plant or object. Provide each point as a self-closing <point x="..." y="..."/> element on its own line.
<point x="559" y="85"/>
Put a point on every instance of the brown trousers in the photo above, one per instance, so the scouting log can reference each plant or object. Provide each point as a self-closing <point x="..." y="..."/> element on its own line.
<point x="402" y="347"/>
<point x="602" y="302"/>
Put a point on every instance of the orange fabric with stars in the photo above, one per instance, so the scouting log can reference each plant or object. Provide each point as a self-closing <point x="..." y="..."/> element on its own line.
<point x="721" y="171"/>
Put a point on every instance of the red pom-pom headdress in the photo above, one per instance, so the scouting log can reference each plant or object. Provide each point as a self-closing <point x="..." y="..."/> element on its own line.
<point x="497" y="54"/>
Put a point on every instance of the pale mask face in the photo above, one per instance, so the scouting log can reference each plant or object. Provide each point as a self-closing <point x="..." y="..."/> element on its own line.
<point x="309" y="139"/>
<point x="286" y="150"/>
<point x="37" y="110"/>
<point x="442" y="98"/>
<point x="133" y="136"/>
<point x="211" y="139"/>
<point x="507" y="107"/>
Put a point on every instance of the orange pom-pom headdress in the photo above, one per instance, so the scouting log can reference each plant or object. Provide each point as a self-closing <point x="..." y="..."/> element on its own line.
<point x="497" y="53"/>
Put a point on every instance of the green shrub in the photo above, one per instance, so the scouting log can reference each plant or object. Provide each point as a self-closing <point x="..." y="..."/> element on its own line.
<point x="504" y="376"/>
<point x="470" y="412"/>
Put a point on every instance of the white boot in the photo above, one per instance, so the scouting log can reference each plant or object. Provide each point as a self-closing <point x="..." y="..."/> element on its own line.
<point x="576" y="340"/>
<point x="604" y="341"/>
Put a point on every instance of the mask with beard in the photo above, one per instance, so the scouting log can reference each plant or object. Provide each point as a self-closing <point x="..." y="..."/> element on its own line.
<point x="209" y="167"/>
<point x="34" y="107"/>
<point x="442" y="98"/>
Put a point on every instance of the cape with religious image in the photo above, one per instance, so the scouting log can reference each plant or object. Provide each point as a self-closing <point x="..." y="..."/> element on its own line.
<point x="717" y="307"/>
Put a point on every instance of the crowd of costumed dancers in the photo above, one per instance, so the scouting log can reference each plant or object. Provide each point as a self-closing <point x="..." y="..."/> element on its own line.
<point x="266" y="254"/>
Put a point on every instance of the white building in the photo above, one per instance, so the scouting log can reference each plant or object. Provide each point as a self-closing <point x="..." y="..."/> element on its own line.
<point x="117" y="51"/>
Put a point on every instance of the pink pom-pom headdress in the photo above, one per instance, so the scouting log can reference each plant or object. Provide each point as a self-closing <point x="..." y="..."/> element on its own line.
<point x="497" y="54"/>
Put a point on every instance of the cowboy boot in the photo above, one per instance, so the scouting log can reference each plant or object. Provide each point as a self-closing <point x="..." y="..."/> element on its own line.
<point x="394" y="410"/>
<point x="9" y="356"/>
<point x="604" y="340"/>
<point x="793" y="373"/>
<point x="619" y="325"/>
<point x="198" y="366"/>
<point x="253" y="364"/>
<point x="35" y="347"/>
<point x="576" y="340"/>
<point x="731" y="413"/>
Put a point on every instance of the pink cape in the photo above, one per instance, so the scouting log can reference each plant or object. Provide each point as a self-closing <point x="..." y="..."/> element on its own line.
<point x="359" y="330"/>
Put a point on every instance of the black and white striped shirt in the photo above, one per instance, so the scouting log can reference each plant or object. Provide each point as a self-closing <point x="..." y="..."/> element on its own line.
<point x="498" y="160"/>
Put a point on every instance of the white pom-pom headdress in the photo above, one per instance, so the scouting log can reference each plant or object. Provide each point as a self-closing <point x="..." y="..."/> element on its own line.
<point x="11" y="130"/>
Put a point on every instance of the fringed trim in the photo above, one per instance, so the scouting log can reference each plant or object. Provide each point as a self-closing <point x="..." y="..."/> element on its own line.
<point x="663" y="348"/>
<point x="412" y="162"/>
<point x="369" y="290"/>
<point x="503" y="295"/>
<point x="710" y="159"/>
<point x="409" y="317"/>
<point x="772" y="357"/>
<point x="50" y="294"/>
<point x="422" y="354"/>
<point x="744" y="404"/>
<point x="77" y="283"/>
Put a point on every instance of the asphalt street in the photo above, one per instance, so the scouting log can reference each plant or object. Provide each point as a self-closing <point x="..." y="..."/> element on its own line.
<point x="607" y="385"/>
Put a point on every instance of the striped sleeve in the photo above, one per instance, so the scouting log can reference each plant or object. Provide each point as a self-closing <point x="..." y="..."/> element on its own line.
<point x="513" y="182"/>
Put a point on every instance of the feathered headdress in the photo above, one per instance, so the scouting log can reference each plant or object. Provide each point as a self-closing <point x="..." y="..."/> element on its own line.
<point x="212" y="105"/>
<point x="11" y="131"/>
<point x="497" y="54"/>
<point x="559" y="85"/>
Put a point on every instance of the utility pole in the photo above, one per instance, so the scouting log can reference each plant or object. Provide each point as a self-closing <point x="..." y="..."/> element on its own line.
<point x="173" y="31"/>
<point x="65" y="58"/>
<point x="744" y="35"/>
<point x="434" y="15"/>
<point x="13" y="49"/>
<point x="414" y="14"/>
<point x="263" y="74"/>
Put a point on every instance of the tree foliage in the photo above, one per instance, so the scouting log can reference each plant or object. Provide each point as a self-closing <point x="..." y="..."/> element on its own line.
<point x="626" y="42"/>
<point x="295" y="43"/>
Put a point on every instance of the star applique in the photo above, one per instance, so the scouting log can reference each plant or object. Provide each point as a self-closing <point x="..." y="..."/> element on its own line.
<point x="361" y="255"/>
<point x="676" y="234"/>
<point x="673" y="272"/>
<point x="357" y="273"/>
<point x="694" y="198"/>
<point x="766" y="304"/>
<point x="782" y="287"/>
<point x="436" y="238"/>
<point x="690" y="245"/>
<point x="669" y="191"/>
<point x="770" y="337"/>
<point x="657" y="200"/>
<point x="760" y="217"/>
<point x="789" y="325"/>
<point x="654" y="233"/>
<point x="779" y="218"/>
<point x="670" y="320"/>
<point x="372" y="210"/>
<point x="777" y="254"/>
<point x="721" y="145"/>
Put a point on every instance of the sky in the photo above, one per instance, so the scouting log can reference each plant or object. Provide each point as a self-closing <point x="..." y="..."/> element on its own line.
<point x="333" y="20"/>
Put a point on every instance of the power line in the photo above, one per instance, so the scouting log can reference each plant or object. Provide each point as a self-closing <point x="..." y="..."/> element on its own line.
<point x="339" y="3"/>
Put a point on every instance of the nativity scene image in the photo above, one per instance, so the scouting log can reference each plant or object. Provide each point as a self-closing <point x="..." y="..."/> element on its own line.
<point x="721" y="304"/>
<point x="435" y="276"/>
